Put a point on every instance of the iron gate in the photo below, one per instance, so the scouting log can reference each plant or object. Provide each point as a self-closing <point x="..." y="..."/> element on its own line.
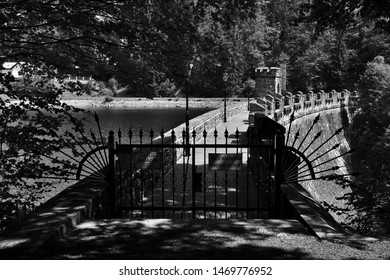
<point x="169" y="178"/>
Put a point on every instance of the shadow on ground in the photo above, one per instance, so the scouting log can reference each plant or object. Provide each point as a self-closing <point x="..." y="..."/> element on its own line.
<point x="162" y="239"/>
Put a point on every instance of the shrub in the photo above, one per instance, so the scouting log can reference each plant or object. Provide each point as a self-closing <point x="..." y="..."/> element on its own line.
<point x="165" y="88"/>
<point x="108" y="99"/>
<point x="248" y="88"/>
<point x="106" y="92"/>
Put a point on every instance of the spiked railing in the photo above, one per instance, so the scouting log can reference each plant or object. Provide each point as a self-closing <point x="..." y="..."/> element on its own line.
<point x="305" y="158"/>
<point x="144" y="169"/>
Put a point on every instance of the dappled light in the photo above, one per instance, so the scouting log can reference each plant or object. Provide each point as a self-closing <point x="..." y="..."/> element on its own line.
<point x="202" y="239"/>
<point x="167" y="239"/>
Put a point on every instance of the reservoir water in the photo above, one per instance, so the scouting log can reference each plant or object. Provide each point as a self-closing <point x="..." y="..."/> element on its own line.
<point x="125" y="118"/>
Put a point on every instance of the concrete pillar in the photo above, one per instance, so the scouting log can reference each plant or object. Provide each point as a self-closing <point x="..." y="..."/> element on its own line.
<point x="283" y="68"/>
<point x="282" y="105"/>
<point x="289" y="101"/>
<point x="301" y="100"/>
<point x="334" y="97"/>
<point x="323" y="98"/>
<point x="312" y="100"/>
<point x="256" y="108"/>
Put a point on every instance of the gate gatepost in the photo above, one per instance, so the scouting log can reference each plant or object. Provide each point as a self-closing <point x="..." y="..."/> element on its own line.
<point x="267" y="129"/>
<point x="111" y="191"/>
<point x="278" y="150"/>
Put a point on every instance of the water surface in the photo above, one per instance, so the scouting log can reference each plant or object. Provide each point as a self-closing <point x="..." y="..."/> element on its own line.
<point x="146" y="119"/>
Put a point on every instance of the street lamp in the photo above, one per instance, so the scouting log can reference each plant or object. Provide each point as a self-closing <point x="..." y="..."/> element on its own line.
<point x="187" y="150"/>
<point x="225" y="78"/>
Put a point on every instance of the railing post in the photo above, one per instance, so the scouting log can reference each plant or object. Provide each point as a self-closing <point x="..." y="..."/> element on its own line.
<point x="334" y="98"/>
<point x="323" y="98"/>
<point x="290" y="100"/>
<point x="312" y="100"/>
<point x="193" y="181"/>
<point x="301" y="100"/>
<point x="318" y="99"/>
<point x="111" y="192"/>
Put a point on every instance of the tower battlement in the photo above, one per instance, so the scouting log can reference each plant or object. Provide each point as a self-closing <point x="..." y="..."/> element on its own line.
<point x="270" y="81"/>
<point x="268" y="71"/>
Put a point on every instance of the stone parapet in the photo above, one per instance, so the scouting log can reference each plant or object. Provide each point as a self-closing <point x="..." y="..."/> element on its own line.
<point x="278" y="106"/>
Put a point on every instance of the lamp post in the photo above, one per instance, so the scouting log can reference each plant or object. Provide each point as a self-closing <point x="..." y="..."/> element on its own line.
<point x="225" y="78"/>
<point x="187" y="150"/>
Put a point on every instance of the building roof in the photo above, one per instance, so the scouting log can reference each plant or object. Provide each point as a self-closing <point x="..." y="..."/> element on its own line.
<point x="9" y="65"/>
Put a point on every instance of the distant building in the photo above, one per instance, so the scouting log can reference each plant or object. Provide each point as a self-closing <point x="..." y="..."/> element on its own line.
<point x="12" y="68"/>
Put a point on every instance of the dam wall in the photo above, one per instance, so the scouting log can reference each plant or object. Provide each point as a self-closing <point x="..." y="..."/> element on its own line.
<point x="327" y="192"/>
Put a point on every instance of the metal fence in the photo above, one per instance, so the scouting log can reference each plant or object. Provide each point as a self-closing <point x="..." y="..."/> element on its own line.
<point x="232" y="179"/>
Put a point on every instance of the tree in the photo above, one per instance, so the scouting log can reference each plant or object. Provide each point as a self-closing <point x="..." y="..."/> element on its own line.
<point x="379" y="11"/>
<point x="31" y="121"/>
<point x="229" y="51"/>
<point x="340" y="14"/>
<point x="371" y="131"/>
<point x="372" y="120"/>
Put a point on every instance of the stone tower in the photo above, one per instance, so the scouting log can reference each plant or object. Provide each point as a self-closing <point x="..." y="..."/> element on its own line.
<point x="270" y="80"/>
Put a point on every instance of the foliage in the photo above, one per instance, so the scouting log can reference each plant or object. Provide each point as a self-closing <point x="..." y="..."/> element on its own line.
<point x="249" y="88"/>
<point x="340" y="14"/>
<point x="165" y="88"/>
<point x="370" y="131"/>
<point x="331" y="14"/>
<point x="143" y="45"/>
<point x="376" y="77"/>
<point x="379" y="11"/>
<point x="227" y="51"/>
<point x="372" y="118"/>
<point x="31" y="119"/>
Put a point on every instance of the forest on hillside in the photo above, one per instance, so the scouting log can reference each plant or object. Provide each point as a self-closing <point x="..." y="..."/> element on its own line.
<point x="149" y="45"/>
<point x="210" y="47"/>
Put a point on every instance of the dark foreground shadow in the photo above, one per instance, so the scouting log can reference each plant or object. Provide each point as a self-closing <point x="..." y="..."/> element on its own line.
<point x="162" y="239"/>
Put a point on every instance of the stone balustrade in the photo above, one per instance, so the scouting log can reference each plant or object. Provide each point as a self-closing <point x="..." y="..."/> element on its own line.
<point x="279" y="106"/>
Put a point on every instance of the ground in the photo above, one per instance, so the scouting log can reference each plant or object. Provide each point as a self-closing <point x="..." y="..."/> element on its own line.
<point x="226" y="239"/>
